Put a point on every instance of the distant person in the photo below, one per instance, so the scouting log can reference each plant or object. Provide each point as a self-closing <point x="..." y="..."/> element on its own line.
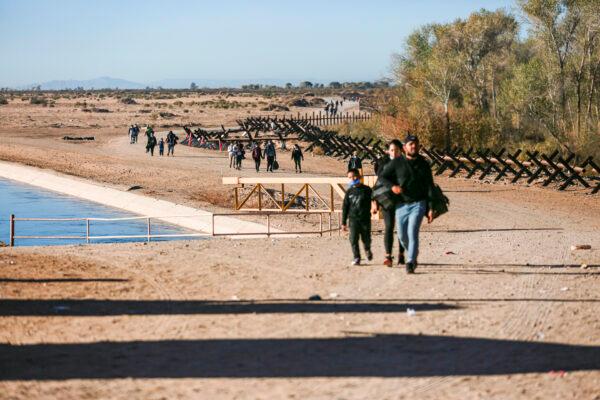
<point x="410" y="176"/>
<point x="171" y="142"/>
<point x="271" y="155"/>
<point x="239" y="156"/>
<point x="327" y="109"/>
<point x="355" y="162"/>
<point x="131" y="134"/>
<point x="257" y="155"/>
<point x="151" y="144"/>
<point x="356" y="213"/>
<point x="149" y="134"/>
<point x="231" y="152"/>
<point x="298" y="157"/>
<point x="136" y="132"/>
<point x="161" y="147"/>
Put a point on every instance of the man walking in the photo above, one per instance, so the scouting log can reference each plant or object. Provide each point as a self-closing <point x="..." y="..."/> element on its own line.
<point x="270" y="154"/>
<point x="231" y="150"/>
<point x="355" y="162"/>
<point x="297" y="156"/>
<point x="410" y="177"/>
<point x="257" y="155"/>
<point x="171" y="142"/>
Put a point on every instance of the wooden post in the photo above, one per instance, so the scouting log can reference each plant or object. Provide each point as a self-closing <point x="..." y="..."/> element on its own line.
<point x="282" y="196"/>
<point x="329" y="225"/>
<point x="11" y="239"/>
<point x="212" y="224"/>
<point x="236" y="200"/>
<point x="259" y="187"/>
<point x="307" y="206"/>
<point x="87" y="230"/>
<point x="331" y="205"/>
<point x="148" y="220"/>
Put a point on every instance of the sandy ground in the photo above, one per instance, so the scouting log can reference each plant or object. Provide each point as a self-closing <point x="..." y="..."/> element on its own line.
<point x="502" y="307"/>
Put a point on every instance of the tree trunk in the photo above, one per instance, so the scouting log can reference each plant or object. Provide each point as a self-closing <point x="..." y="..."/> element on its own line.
<point x="447" y="139"/>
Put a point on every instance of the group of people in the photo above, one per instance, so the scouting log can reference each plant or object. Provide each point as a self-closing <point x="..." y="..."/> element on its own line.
<point x="237" y="153"/>
<point x="152" y="142"/>
<point x="407" y="177"/>
<point x="331" y="108"/>
<point x="134" y="131"/>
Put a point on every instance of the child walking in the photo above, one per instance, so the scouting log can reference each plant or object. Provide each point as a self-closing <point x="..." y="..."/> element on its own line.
<point x="356" y="213"/>
<point x="161" y="147"/>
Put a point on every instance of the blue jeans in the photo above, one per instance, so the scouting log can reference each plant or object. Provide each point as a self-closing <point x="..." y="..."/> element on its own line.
<point x="408" y="220"/>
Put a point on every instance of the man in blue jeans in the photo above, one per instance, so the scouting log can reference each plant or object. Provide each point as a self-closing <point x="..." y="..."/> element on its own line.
<point x="409" y="176"/>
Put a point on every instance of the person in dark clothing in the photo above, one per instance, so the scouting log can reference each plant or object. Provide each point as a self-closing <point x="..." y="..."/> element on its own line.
<point x="240" y="155"/>
<point x="355" y="162"/>
<point x="356" y="213"/>
<point x="161" y="147"/>
<point x="149" y="134"/>
<point x="298" y="157"/>
<point x="410" y="177"/>
<point x="270" y="154"/>
<point x="171" y="142"/>
<point x="389" y="214"/>
<point x="151" y="144"/>
<point x="257" y="155"/>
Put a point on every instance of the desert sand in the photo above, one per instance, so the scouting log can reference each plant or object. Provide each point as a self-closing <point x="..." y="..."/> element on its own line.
<point x="500" y="307"/>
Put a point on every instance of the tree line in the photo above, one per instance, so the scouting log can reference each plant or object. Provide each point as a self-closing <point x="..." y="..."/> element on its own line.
<point x="479" y="82"/>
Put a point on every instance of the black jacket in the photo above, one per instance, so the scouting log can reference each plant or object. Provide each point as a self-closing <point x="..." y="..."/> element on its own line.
<point x="357" y="203"/>
<point x="413" y="176"/>
<point x="354" y="163"/>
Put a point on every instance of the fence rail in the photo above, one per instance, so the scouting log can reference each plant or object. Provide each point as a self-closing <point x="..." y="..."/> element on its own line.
<point x="331" y="227"/>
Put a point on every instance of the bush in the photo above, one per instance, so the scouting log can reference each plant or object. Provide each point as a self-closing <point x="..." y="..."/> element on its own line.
<point x="3" y="101"/>
<point x="38" y="101"/>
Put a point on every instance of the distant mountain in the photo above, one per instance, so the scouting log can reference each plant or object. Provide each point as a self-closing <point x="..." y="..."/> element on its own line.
<point x="104" y="82"/>
<point x="213" y="83"/>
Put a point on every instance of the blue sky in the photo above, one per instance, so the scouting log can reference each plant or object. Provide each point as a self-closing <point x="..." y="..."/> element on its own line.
<point x="149" y="40"/>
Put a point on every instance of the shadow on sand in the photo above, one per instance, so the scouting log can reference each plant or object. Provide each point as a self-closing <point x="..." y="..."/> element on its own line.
<point x="367" y="356"/>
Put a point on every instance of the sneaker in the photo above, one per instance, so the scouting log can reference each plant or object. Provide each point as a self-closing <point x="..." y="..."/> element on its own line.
<point x="401" y="259"/>
<point x="369" y="255"/>
<point x="388" y="261"/>
<point x="356" y="261"/>
<point x="410" y="267"/>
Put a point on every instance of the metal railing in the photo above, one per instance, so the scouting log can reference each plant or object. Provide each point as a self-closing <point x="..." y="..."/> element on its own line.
<point x="149" y="235"/>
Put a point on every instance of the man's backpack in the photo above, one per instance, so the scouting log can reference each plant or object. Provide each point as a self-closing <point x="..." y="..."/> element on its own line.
<point x="439" y="201"/>
<point x="256" y="153"/>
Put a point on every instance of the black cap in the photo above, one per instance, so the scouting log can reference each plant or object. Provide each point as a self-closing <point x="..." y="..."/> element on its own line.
<point x="410" y="138"/>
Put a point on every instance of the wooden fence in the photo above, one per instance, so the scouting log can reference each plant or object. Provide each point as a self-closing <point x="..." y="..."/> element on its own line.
<point x="556" y="168"/>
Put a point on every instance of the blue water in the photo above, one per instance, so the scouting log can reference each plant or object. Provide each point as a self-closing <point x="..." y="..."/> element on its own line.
<point x="25" y="201"/>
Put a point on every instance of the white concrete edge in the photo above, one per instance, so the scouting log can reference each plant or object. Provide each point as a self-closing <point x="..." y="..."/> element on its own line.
<point x="187" y="217"/>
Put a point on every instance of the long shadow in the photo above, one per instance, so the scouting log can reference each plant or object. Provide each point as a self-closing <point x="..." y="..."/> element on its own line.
<point x="372" y="356"/>
<point x="492" y="230"/>
<point x="490" y="272"/>
<point x="60" y="280"/>
<point x="12" y="307"/>
<point x="506" y="265"/>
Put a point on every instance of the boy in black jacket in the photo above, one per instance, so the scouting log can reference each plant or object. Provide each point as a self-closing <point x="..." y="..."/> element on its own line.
<point x="357" y="208"/>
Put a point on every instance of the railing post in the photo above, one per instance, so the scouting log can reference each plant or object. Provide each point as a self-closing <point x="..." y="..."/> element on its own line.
<point x="11" y="240"/>
<point x="321" y="223"/>
<point x="87" y="230"/>
<point x="212" y="224"/>
<point x="268" y="225"/>
<point x="330" y="232"/>
<point x="148" y="220"/>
